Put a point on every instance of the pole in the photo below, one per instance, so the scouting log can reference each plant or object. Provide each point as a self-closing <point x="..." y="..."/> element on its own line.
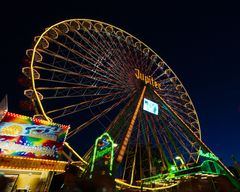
<point x="130" y="128"/>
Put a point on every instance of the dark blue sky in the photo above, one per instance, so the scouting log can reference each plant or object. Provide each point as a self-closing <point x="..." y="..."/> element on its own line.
<point x="200" y="42"/>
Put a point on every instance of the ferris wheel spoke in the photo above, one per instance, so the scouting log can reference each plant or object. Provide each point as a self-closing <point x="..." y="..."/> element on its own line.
<point x="113" y="58"/>
<point x="170" y="145"/>
<point x="176" y="145"/>
<point x="113" y="55"/>
<point x="79" y="49"/>
<point x="166" y="143"/>
<point x="169" y="95"/>
<point x="168" y="116"/>
<point x="177" y="111"/>
<point x="121" y="117"/>
<point x="183" y="115"/>
<point x="93" y="68"/>
<point x="126" y="55"/>
<point x="176" y="124"/>
<point x="157" y="139"/>
<point x="148" y="145"/>
<point x="88" y="92"/>
<point x="135" y="55"/>
<point x="61" y="75"/>
<point x="144" y="60"/>
<point x="92" y="52"/>
<point x="135" y="149"/>
<point x="67" y="72"/>
<point x="77" y="78"/>
<point x="78" y="91"/>
<point x="105" y="54"/>
<point x="84" y="105"/>
<point x="109" y="47"/>
<point x="177" y="108"/>
<point x="162" y="79"/>
<point x="129" y="51"/>
<point x="171" y="88"/>
<point x="94" y="118"/>
<point x="184" y="135"/>
<point x="70" y="84"/>
<point x="75" y="64"/>
<point x="146" y="158"/>
<point x="162" y="133"/>
<point x="98" y="57"/>
<point x="165" y="82"/>
<point x="79" y="87"/>
<point x="172" y="97"/>
<point x="119" y="53"/>
<point x="188" y="116"/>
<point x="173" y="100"/>
<point x="157" y="73"/>
<point x="183" y="145"/>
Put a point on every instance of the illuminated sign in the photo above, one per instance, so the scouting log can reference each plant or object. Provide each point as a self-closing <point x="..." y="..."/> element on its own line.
<point x="104" y="147"/>
<point x="31" y="137"/>
<point x="150" y="106"/>
<point x="147" y="79"/>
<point x="103" y="152"/>
<point x="103" y="155"/>
<point x="208" y="155"/>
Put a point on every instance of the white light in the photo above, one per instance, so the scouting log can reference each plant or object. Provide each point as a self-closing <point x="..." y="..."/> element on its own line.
<point x="150" y="106"/>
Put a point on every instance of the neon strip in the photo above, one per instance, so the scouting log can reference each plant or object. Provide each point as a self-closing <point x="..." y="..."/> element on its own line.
<point x="129" y="131"/>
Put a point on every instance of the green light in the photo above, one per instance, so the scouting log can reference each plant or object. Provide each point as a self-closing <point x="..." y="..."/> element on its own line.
<point x="99" y="154"/>
<point x="173" y="168"/>
<point x="102" y="153"/>
<point x="208" y="155"/>
<point x="203" y="168"/>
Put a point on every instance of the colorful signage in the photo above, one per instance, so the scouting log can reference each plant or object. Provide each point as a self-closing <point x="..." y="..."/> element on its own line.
<point x="147" y="79"/>
<point x="150" y="106"/>
<point x="103" y="155"/>
<point x="31" y="137"/>
<point x="104" y="147"/>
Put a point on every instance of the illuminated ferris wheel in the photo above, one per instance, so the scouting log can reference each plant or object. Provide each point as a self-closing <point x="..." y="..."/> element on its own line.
<point x="99" y="78"/>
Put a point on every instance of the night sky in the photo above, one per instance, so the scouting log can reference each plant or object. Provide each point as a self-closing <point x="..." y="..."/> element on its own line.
<point x="200" y="42"/>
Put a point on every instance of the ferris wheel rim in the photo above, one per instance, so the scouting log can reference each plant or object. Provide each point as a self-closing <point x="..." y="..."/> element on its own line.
<point x="96" y="21"/>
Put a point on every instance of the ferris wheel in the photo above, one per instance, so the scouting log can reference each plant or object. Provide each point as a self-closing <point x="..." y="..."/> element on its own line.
<point x="99" y="78"/>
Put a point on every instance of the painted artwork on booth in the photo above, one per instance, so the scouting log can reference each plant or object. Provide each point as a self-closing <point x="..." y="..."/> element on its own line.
<point x="31" y="137"/>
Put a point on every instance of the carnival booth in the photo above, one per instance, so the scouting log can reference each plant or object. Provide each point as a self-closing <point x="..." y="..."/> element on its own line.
<point x="29" y="151"/>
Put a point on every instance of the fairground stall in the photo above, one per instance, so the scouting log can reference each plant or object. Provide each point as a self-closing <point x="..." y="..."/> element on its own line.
<point x="29" y="151"/>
